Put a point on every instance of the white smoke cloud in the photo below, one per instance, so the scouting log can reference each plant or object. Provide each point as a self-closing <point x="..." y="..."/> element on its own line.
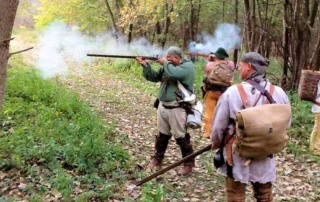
<point x="226" y="36"/>
<point x="60" y="44"/>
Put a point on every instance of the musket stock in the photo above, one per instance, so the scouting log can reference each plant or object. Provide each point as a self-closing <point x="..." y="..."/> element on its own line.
<point x="123" y="56"/>
<point x="193" y="155"/>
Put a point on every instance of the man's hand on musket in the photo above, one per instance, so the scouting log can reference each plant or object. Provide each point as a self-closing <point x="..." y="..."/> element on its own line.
<point x="141" y="60"/>
<point x="211" y="57"/>
<point x="162" y="60"/>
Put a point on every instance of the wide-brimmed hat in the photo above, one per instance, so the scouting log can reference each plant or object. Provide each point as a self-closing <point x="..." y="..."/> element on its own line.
<point x="221" y="53"/>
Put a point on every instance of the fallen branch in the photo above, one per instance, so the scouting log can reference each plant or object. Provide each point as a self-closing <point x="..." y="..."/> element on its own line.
<point x="10" y="54"/>
<point x="6" y="40"/>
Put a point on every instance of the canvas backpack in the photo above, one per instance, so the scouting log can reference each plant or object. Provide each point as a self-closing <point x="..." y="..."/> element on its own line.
<point x="220" y="74"/>
<point x="261" y="130"/>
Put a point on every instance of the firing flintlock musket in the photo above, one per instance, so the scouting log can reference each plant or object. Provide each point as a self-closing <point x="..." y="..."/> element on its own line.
<point x="193" y="155"/>
<point x="124" y="56"/>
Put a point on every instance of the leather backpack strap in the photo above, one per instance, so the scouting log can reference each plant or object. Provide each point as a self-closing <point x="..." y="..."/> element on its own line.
<point x="229" y="139"/>
<point x="243" y="96"/>
<point x="262" y="90"/>
<point x="272" y="89"/>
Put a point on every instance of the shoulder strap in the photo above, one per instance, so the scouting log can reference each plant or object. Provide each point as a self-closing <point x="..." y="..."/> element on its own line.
<point x="243" y="96"/>
<point x="183" y="89"/>
<point x="262" y="90"/>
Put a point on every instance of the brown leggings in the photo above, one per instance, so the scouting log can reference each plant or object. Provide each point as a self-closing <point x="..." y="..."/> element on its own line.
<point x="235" y="191"/>
<point x="210" y="101"/>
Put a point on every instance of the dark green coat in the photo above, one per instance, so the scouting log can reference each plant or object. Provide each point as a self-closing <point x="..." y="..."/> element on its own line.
<point x="168" y="74"/>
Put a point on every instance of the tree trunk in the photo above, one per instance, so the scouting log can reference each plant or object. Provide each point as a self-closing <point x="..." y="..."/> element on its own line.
<point x="118" y="6"/>
<point x="315" y="59"/>
<point x="253" y="26"/>
<point x="130" y="33"/>
<point x="198" y="18"/>
<point x="114" y="26"/>
<point x="263" y="44"/>
<point x="8" y="9"/>
<point x="223" y="9"/>
<point x="236" y="20"/>
<point x="192" y="23"/>
<point x="300" y="42"/>
<point x="167" y="25"/>
<point x="266" y="43"/>
<point x="285" y="44"/>
<point x="247" y="24"/>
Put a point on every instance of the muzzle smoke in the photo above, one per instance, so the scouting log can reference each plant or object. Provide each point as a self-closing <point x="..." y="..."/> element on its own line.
<point x="226" y="36"/>
<point x="61" y="44"/>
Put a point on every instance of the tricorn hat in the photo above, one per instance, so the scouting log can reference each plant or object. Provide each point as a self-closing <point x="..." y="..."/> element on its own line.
<point x="221" y="53"/>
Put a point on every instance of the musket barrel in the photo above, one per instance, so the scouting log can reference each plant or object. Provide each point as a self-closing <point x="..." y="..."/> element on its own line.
<point x="122" y="56"/>
<point x="207" y="148"/>
<point x="112" y="56"/>
<point x="197" y="54"/>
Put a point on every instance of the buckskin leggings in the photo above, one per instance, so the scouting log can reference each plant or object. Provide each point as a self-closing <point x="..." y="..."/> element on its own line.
<point x="210" y="100"/>
<point x="315" y="135"/>
<point x="235" y="191"/>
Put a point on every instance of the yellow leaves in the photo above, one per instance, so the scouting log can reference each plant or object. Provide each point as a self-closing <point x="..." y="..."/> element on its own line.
<point x="144" y="14"/>
<point x="83" y="13"/>
<point x="48" y="12"/>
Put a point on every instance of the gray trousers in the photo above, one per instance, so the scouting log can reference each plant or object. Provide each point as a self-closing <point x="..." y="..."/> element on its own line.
<point x="172" y="121"/>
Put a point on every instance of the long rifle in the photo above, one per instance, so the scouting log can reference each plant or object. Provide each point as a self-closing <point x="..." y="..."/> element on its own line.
<point x="123" y="56"/>
<point x="207" y="148"/>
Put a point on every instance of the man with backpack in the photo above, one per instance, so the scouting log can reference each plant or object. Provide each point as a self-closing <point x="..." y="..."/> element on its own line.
<point x="218" y="77"/>
<point x="237" y="169"/>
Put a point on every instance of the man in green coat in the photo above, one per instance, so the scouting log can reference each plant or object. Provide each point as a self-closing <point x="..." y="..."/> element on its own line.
<point x="171" y="117"/>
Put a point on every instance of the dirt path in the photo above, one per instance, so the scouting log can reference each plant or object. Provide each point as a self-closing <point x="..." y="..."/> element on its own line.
<point x="132" y="112"/>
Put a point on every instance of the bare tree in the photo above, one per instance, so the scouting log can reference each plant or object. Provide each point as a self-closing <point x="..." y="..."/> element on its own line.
<point x="8" y="8"/>
<point x="236" y="21"/>
<point x="114" y="25"/>
<point x="299" y="39"/>
<point x="248" y="25"/>
<point x="167" y="24"/>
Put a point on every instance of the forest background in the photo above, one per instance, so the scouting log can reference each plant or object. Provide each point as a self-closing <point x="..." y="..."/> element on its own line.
<point x="286" y="32"/>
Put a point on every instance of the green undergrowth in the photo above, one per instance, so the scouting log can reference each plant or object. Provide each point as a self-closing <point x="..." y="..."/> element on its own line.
<point x="46" y="127"/>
